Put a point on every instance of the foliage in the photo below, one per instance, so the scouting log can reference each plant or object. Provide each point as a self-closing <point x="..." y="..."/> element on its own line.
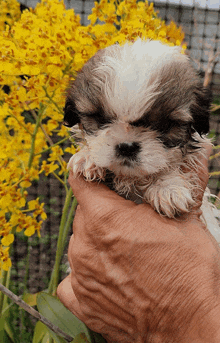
<point x="41" y="51"/>
<point x="10" y="13"/>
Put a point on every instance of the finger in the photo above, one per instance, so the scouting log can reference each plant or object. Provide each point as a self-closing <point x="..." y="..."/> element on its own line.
<point x="87" y="192"/>
<point x="67" y="296"/>
<point x="78" y="222"/>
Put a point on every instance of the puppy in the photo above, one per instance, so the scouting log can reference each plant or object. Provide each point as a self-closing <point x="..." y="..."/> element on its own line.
<point x="140" y="113"/>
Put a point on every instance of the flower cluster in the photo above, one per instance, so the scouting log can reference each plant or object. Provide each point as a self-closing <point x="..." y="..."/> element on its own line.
<point x="41" y="50"/>
<point x="128" y="20"/>
<point x="9" y="13"/>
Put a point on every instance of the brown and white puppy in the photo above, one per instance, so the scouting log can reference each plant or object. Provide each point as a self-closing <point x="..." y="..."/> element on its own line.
<point x="140" y="111"/>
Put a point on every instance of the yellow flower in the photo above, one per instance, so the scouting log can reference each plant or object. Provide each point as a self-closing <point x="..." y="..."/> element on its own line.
<point x="56" y="152"/>
<point x="29" y="231"/>
<point x="7" y="240"/>
<point x="48" y="168"/>
<point x="6" y="263"/>
<point x="5" y="260"/>
<point x="10" y="12"/>
<point x="71" y="150"/>
<point x="34" y="205"/>
<point x="25" y="184"/>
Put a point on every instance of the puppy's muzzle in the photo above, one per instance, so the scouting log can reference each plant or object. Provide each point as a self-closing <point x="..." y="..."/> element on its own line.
<point x="128" y="150"/>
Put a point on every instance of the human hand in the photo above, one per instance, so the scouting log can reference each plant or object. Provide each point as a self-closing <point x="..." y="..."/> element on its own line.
<point x="137" y="276"/>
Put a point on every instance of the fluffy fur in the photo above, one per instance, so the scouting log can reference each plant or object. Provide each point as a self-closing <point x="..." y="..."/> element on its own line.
<point x="140" y="112"/>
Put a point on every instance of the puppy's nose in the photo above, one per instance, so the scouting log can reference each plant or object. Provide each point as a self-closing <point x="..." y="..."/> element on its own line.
<point x="129" y="150"/>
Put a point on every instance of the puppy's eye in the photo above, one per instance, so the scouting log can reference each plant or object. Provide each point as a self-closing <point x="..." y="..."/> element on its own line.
<point x="102" y="120"/>
<point x="98" y="118"/>
<point x="142" y="122"/>
<point x="94" y="121"/>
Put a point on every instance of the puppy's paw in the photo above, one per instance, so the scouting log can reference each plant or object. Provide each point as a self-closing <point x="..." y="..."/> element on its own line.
<point x="82" y="164"/>
<point x="170" y="196"/>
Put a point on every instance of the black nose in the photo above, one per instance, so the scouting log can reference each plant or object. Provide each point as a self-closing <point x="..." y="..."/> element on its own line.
<point x="129" y="150"/>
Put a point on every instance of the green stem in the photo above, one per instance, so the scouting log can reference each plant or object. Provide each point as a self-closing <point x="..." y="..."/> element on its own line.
<point x="67" y="67"/>
<point x="55" y="144"/>
<point x="38" y="121"/>
<point x="5" y="304"/>
<point x="3" y="282"/>
<point x="214" y="156"/>
<point x="59" y="252"/>
<point x="69" y="221"/>
<point x="12" y="115"/>
<point x="60" y="180"/>
<point x="216" y="147"/>
<point x="27" y="268"/>
<point x="214" y="173"/>
<point x="51" y="99"/>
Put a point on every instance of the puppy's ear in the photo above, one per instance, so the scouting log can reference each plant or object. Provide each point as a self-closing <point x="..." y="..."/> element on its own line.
<point x="71" y="116"/>
<point x="200" y="110"/>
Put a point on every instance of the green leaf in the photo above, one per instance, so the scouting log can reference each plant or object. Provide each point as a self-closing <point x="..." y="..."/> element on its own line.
<point x="40" y="331"/>
<point x="81" y="338"/>
<point x="3" y="334"/>
<point x="30" y="299"/>
<point x="42" y="334"/>
<point x="56" y="338"/>
<point x="59" y="315"/>
<point x="46" y="338"/>
<point x="2" y="324"/>
<point x="7" y="332"/>
<point x="10" y="331"/>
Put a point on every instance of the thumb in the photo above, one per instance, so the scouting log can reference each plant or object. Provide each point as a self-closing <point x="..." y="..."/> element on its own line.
<point x="67" y="296"/>
<point x="90" y="191"/>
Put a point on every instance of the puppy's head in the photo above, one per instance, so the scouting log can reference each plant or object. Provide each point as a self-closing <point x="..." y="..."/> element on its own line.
<point x="140" y="106"/>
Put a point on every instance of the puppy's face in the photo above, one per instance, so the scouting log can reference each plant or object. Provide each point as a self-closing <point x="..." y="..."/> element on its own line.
<point x="139" y="107"/>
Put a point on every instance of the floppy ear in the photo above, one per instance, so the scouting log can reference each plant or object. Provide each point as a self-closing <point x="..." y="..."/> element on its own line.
<point x="71" y="115"/>
<point x="200" y="110"/>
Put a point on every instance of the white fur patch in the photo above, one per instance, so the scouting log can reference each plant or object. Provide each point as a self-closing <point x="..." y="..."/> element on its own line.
<point x="132" y="74"/>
